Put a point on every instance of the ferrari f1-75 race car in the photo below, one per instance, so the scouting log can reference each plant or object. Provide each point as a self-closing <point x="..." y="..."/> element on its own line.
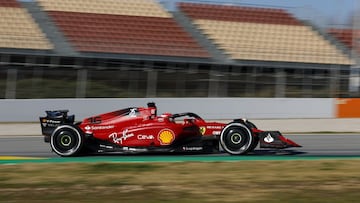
<point x="140" y="129"/>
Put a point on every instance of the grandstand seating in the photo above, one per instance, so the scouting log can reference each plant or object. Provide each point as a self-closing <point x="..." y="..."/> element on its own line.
<point x="117" y="7"/>
<point x="266" y="34"/>
<point x="349" y="37"/>
<point x="121" y="26"/>
<point x="18" y="29"/>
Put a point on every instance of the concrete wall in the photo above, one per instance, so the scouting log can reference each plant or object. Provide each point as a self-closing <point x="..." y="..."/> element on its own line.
<point x="29" y="110"/>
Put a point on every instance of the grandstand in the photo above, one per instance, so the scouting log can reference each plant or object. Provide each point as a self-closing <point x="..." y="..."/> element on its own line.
<point x="120" y="48"/>
<point x="247" y="33"/>
<point x="349" y="37"/>
<point x="18" y="30"/>
<point x="129" y="27"/>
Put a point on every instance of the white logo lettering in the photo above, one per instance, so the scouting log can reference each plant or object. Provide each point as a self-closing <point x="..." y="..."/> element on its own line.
<point x="269" y="138"/>
<point x="214" y="127"/>
<point x="132" y="113"/>
<point x="192" y="148"/>
<point x="51" y="121"/>
<point x="145" y="137"/>
<point x="100" y="127"/>
<point x="123" y="137"/>
<point x="216" y="132"/>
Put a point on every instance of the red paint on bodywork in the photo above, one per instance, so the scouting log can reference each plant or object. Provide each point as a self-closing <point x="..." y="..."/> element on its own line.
<point x="141" y="127"/>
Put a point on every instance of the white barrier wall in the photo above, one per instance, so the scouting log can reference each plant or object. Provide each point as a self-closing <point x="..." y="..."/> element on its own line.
<point x="29" y="110"/>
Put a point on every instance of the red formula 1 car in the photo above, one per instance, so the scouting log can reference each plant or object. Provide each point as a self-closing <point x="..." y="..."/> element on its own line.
<point x="140" y="129"/>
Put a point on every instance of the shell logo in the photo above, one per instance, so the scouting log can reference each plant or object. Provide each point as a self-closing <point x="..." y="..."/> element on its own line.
<point x="166" y="137"/>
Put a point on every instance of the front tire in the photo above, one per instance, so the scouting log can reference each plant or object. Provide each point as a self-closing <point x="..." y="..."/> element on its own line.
<point x="66" y="140"/>
<point x="256" y="138"/>
<point x="236" y="139"/>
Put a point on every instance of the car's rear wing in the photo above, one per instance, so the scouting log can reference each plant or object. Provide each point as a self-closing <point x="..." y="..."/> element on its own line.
<point x="53" y="119"/>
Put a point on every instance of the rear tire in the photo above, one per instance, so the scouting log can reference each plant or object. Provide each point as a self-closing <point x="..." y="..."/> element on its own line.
<point x="236" y="139"/>
<point x="66" y="140"/>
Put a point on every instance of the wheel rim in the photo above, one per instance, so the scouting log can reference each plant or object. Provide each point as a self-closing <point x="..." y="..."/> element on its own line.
<point x="66" y="140"/>
<point x="236" y="138"/>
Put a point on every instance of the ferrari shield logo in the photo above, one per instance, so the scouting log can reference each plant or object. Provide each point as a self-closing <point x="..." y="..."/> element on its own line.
<point x="202" y="130"/>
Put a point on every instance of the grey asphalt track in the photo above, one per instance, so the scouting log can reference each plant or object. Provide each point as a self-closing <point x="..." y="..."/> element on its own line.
<point x="313" y="145"/>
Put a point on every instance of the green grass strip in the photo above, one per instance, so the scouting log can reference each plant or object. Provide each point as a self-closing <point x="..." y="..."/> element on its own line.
<point x="200" y="158"/>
